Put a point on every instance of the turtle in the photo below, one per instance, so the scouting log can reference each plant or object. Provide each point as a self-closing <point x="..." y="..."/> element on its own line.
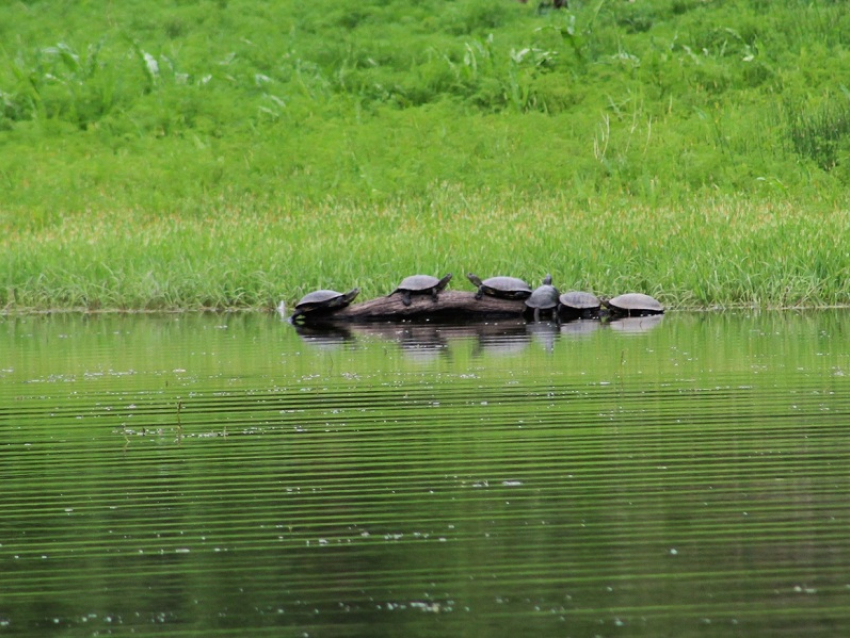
<point x="420" y="285"/>
<point x="501" y="287"/>
<point x="634" y="304"/>
<point x="543" y="299"/>
<point x="579" y="304"/>
<point x="322" y="301"/>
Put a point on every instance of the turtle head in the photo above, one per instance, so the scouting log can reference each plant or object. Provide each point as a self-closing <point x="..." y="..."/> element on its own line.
<point x="351" y="294"/>
<point x="547" y="280"/>
<point x="476" y="281"/>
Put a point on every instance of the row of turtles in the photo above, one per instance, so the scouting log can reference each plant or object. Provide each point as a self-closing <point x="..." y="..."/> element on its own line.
<point x="545" y="299"/>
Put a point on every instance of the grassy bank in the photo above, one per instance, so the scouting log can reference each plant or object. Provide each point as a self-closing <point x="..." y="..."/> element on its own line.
<point x="232" y="153"/>
<point x="715" y="254"/>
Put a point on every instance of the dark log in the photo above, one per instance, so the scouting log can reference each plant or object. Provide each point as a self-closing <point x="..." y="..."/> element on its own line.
<point x="450" y="305"/>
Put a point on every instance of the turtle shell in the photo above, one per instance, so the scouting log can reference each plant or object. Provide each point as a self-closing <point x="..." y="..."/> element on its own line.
<point x="544" y="297"/>
<point x="320" y="301"/>
<point x="422" y="283"/>
<point x="325" y="299"/>
<point x="503" y="287"/>
<point x="635" y="303"/>
<point x="576" y="300"/>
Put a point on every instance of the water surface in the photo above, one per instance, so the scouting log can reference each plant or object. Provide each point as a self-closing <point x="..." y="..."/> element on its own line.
<point x="207" y="475"/>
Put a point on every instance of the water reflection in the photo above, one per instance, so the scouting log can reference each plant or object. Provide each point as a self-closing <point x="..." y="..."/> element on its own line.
<point x="422" y="342"/>
<point x="635" y="325"/>
<point x="544" y="333"/>
<point x="580" y="328"/>
<point x="224" y="475"/>
<point x="502" y="339"/>
<point x="430" y="340"/>
<point x="328" y="336"/>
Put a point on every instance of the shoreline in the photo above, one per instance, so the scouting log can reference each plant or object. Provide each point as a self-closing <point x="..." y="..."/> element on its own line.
<point x="269" y="310"/>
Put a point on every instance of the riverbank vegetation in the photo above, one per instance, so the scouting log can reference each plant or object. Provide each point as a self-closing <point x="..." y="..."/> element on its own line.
<point x="231" y="153"/>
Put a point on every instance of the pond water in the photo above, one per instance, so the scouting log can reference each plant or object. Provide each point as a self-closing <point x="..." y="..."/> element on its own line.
<point x="228" y="475"/>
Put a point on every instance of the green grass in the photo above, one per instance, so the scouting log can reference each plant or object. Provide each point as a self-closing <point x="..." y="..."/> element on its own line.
<point x="230" y="154"/>
<point x="715" y="254"/>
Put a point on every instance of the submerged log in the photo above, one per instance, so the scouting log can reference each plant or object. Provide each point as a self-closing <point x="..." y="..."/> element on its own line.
<point x="450" y="305"/>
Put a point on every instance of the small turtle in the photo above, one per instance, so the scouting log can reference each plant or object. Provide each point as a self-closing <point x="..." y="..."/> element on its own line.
<point x="634" y="304"/>
<point x="543" y="299"/>
<point x="579" y="304"/>
<point x="420" y="285"/>
<point x="322" y="301"/>
<point x="501" y="287"/>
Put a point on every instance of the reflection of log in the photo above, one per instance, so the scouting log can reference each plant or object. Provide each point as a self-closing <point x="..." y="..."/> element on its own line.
<point x="452" y="304"/>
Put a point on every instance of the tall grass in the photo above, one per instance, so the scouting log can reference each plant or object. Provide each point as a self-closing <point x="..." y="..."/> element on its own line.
<point x="721" y="253"/>
<point x="305" y="142"/>
<point x="822" y="134"/>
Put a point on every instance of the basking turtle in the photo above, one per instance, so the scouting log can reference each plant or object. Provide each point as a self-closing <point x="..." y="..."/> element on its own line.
<point x="579" y="304"/>
<point x="501" y="287"/>
<point x="634" y="304"/>
<point x="420" y="285"/>
<point x="543" y="299"/>
<point x="320" y="302"/>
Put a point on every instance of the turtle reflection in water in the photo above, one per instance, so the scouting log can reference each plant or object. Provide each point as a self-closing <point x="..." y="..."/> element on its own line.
<point x="420" y="285"/>
<point x="322" y="302"/>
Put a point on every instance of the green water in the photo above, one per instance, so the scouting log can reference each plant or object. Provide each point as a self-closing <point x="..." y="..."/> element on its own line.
<point x="206" y="475"/>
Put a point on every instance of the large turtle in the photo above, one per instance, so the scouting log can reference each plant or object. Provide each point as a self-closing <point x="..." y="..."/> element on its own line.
<point x="579" y="304"/>
<point x="420" y="285"/>
<point x="320" y="302"/>
<point x="543" y="299"/>
<point x="634" y="304"/>
<point x="501" y="287"/>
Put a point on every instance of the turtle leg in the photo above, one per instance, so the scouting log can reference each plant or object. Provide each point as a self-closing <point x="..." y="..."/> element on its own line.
<point x="434" y="295"/>
<point x="479" y="294"/>
<point x="405" y="297"/>
<point x="537" y="314"/>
